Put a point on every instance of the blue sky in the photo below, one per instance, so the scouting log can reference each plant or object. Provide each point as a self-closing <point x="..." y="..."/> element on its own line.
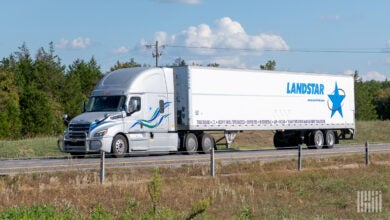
<point x="324" y="36"/>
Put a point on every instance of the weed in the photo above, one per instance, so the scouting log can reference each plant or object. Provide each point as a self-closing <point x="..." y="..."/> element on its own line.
<point x="35" y="212"/>
<point x="199" y="208"/>
<point x="155" y="189"/>
<point x="245" y="214"/>
<point x="99" y="213"/>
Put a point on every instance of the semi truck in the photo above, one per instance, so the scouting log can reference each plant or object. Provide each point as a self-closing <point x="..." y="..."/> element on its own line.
<point x="179" y="109"/>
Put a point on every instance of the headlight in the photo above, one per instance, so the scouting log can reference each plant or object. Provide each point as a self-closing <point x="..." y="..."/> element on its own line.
<point x="100" y="133"/>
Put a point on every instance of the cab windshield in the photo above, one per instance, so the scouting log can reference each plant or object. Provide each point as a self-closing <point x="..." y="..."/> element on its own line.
<point x="106" y="104"/>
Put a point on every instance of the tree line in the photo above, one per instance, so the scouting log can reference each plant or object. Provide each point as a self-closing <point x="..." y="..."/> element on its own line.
<point x="35" y="90"/>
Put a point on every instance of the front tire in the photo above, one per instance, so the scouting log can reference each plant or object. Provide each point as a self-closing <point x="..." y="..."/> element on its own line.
<point x="119" y="146"/>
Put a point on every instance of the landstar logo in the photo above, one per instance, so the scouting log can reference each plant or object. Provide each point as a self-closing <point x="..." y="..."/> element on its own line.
<point x="337" y="99"/>
<point x="305" y="88"/>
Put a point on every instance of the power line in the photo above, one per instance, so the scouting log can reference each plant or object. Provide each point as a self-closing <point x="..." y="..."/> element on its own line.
<point x="294" y="50"/>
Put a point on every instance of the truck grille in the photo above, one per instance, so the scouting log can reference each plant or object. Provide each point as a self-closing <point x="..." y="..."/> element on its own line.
<point x="78" y="131"/>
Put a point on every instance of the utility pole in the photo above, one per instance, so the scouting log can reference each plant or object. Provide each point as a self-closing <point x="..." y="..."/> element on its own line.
<point x="156" y="54"/>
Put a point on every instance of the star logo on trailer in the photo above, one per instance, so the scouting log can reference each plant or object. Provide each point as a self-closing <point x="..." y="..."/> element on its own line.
<point x="337" y="99"/>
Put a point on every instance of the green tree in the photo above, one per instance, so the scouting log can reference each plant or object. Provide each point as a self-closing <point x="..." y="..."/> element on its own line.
<point x="179" y="62"/>
<point x="48" y="76"/>
<point x="129" y="64"/>
<point x="382" y="101"/>
<point x="80" y="80"/>
<point x="39" y="82"/>
<point x="270" y="65"/>
<point x="36" y="91"/>
<point x="10" y="124"/>
<point x="72" y="96"/>
<point x="48" y="72"/>
<point x="36" y="113"/>
<point x="22" y="65"/>
<point x="213" y="65"/>
<point x="88" y="74"/>
<point x="364" y="96"/>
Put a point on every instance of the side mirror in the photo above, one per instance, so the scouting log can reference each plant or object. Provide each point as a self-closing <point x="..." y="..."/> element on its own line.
<point x="125" y="110"/>
<point x="134" y="105"/>
<point x="83" y="106"/>
<point x="65" y="118"/>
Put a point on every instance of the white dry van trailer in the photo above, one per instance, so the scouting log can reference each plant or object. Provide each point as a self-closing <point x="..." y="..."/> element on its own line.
<point x="171" y="109"/>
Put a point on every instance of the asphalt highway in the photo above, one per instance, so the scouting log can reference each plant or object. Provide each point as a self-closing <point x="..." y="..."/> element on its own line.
<point x="39" y="165"/>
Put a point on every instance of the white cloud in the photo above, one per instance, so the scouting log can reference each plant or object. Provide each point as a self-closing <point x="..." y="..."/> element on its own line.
<point x="179" y="1"/>
<point x="161" y="36"/>
<point x="349" y="72"/>
<point x="388" y="44"/>
<point x="62" y="44"/>
<point x="330" y="17"/>
<point x="77" y="43"/>
<point x="225" y="37"/>
<point x="373" y="75"/>
<point x="226" y="33"/>
<point x="121" y="50"/>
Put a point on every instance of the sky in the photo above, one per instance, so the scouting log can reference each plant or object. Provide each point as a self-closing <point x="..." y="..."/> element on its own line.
<point x="321" y="36"/>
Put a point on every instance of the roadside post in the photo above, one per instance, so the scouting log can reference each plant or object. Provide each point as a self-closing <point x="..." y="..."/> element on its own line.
<point x="299" y="157"/>
<point x="212" y="164"/>
<point x="367" y="154"/>
<point x="103" y="154"/>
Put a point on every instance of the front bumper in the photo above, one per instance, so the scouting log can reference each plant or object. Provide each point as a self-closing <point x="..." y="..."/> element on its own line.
<point x="86" y="145"/>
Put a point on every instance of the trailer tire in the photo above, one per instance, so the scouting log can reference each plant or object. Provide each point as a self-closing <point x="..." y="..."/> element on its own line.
<point x="279" y="140"/>
<point x="316" y="140"/>
<point x="330" y="139"/>
<point x="190" y="143"/>
<point x="119" y="146"/>
<point x="207" y="142"/>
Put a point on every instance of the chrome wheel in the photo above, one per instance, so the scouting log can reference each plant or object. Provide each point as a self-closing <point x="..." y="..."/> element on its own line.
<point x="119" y="146"/>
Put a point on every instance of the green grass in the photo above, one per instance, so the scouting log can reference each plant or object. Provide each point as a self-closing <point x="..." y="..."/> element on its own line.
<point x="371" y="131"/>
<point x="37" y="147"/>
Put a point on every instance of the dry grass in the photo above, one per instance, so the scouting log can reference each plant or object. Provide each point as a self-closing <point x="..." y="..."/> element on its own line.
<point x="326" y="189"/>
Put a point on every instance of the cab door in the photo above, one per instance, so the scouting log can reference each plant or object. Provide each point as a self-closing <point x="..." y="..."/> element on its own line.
<point x="134" y="126"/>
<point x="158" y="126"/>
